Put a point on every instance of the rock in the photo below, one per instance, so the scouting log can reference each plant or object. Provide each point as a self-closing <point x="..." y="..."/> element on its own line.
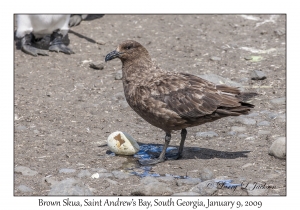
<point x="153" y="188"/>
<point x="231" y="133"/>
<point x="148" y="179"/>
<point x="97" y="66"/>
<point x="263" y="132"/>
<point x="247" y="165"/>
<point x="120" y="175"/>
<point x="207" y="134"/>
<point x="67" y="170"/>
<point x="215" y="58"/>
<point x="278" y="101"/>
<point x="253" y="189"/>
<point x="186" y="193"/>
<point x="100" y="42"/>
<point x="119" y="75"/>
<point x="102" y="175"/>
<point x="243" y="80"/>
<point x="258" y="75"/>
<point x="69" y="187"/>
<point x="278" y="148"/>
<point x="36" y="132"/>
<point x="247" y="58"/>
<point x="25" y="171"/>
<point x="242" y="135"/>
<point x="279" y="32"/>
<point x="281" y="118"/>
<point x="122" y="143"/>
<point x="111" y="181"/>
<point x="272" y="115"/>
<point x="221" y="80"/>
<point x="253" y="114"/>
<point x="188" y="181"/>
<point x="166" y="179"/>
<point x="245" y="120"/>
<point x="263" y="123"/>
<point x="84" y="173"/>
<point x="95" y="176"/>
<point x="24" y="188"/>
<point x="250" y="138"/>
<point x="205" y="188"/>
<point x="20" y="128"/>
<point x="206" y="174"/>
<point x="238" y="129"/>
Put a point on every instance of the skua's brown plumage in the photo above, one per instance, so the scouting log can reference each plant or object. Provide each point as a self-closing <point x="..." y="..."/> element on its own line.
<point x="171" y="100"/>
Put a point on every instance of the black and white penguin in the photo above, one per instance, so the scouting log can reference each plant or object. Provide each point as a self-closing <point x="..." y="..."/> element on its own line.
<point x="31" y="27"/>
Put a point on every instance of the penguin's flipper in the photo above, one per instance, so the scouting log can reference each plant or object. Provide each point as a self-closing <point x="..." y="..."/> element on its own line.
<point x="27" y="48"/>
<point x="57" y="44"/>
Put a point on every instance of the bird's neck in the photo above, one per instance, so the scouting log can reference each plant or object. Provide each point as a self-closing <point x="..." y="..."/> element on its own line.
<point x="138" y="69"/>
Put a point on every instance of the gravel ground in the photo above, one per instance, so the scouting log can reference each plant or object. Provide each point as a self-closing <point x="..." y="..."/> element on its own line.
<point x="64" y="110"/>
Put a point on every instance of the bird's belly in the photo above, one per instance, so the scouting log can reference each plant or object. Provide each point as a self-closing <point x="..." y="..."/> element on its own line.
<point x="41" y="25"/>
<point x="46" y="24"/>
<point x="164" y="119"/>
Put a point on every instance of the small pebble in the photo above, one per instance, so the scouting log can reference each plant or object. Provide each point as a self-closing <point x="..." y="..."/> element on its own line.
<point x="69" y="187"/>
<point x="119" y="75"/>
<point x="206" y="134"/>
<point x="278" y="101"/>
<point x="232" y="133"/>
<point x="206" y="174"/>
<point x="248" y="58"/>
<point x="247" y="165"/>
<point x="263" y="123"/>
<point x="111" y="181"/>
<point x="254" y="189"/>
<point x="97" y="66"/>
<point x="21" y="128"/>
<point x="120" y="175"/>
<point x="263" y="132"/>
<point x="166" y="179"/>
<point x="67" y="170"/>
<point x="25" y="171"/>
<point x="258" y="75"/>
<point x="238" y="129"/>
<point x="272" y="116"/>
<point x="250" y="138"/>
<point x="151" y="187"/>
<point x="205" y="188"/>
<point x="100" y="42"/>
<point x="279" y="32"/>
<point x="242" y="135"/>
<point x="188" y="181"/>
<point x="95" y="176"/>
<point x="246" y="120"/>
<point x="24" y="188"/>
<point x="253" y="114"/>
<point x="104" y="175"/>
<point x="215" y="58"/>
<point x="84" y="173"/>
<point x="278" y="148"/>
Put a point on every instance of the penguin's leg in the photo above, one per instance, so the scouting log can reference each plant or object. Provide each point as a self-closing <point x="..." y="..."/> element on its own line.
<point x="57" y="45"/>
<point x="26" y="43"/>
